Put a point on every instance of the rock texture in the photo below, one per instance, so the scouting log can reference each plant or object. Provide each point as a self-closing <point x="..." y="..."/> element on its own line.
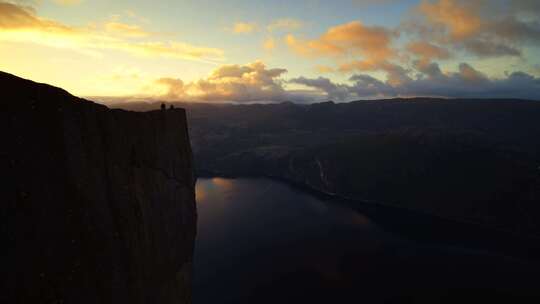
<point x="98" y="204"/>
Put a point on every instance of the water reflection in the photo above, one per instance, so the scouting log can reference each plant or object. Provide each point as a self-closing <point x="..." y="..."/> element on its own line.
<point x="223" y="183"/>
<point x="261" y="241"/>
<point x="212" y="187"/>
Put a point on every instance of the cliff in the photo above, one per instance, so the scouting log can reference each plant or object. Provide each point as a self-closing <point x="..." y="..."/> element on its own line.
<point x="98" y="204"/>
<point x="468" y="160"/>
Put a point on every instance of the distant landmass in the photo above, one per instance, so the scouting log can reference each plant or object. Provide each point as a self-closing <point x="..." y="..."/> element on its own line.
<point x="98" y="204"/>
<point x="473" y="160"/>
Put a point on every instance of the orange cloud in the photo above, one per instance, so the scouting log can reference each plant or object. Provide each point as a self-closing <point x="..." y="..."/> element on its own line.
<point x="458" y="16"/>
<point x="479" y="27"/>
<point x="372" y="44"/>
<point x="350" y="39"/>
<point x="427" y="51"/>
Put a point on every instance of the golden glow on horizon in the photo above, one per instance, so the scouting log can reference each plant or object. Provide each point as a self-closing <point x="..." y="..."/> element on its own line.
<point x="249" y="57"/>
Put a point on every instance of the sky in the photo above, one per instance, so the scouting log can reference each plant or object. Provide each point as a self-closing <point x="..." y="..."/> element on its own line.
<point x="260" y="51"/>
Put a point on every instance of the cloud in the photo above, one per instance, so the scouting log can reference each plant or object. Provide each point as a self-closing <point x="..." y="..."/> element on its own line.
<point x="427" y="51"/>
<point x="255" y="82"/>
<point x="479" y="27"/>
<point x="124" y="29"/>
<point x="244" y="28"/>
<point x="428" y="68"/>
<point x="68" y="2"/>
<point x="346" y="42"/>
<point x="20" y="23"/>
<point x="395" y="74"/>
<point x="173" y="49"/>
<point x="239" y="83"/>
<point x="363" y="86"/>
<point x="458" y="17"/>
<point x="174" y="87"/>
<point x="467" y="82"/>
<point x="18" y="17"/>
<point x="332" y="90"/>
<point x="470" y="83"/>
<point x="439" y="31"/>
<point x="286" y="24"/>
<point x="349" y="39"/>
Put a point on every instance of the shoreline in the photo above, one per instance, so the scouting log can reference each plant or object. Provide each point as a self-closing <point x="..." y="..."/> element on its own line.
<point x="446" y="230"/>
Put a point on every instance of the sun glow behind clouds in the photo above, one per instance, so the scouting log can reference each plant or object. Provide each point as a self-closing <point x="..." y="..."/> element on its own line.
<point x="435" y="49"/>
<point x="22" y="25"/>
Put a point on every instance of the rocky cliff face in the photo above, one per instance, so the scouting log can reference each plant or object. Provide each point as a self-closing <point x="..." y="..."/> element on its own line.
<point x="99" y="204"/>
<point x="469" y="160"/>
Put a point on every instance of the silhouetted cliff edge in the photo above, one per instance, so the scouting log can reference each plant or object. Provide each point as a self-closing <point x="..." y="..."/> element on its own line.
<point x="99" y="204"/>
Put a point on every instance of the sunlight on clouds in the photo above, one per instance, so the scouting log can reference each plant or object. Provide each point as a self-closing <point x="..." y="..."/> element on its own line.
<point x="250" y="82"/>
<point x="482" y="28"/>
<point x="67" y="2"/>
<point x="125" y="29"/>
<point x="427" y="51"/>
<point x="171" y="49"/>
<point x="244" y="28"/>
<point x="372" y="44"/>
<point x="19" y="23"/>
<point x="438" y="30"/>
<point x="347" y="39"/>
<point x="457" y="15"/>
<point x="436" y="48"/>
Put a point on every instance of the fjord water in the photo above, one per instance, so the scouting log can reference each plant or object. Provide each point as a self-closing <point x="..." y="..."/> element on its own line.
<point x="263" y="241"/>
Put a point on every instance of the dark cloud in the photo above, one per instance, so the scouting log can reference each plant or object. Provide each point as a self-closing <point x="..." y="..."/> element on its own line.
<point x="467" y="82"/>
<point x="487" y="48"/>
<point x="479" y="27"/>
<point x="333" y="91"/>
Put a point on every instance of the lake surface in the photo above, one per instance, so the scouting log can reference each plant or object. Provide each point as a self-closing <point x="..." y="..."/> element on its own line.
<point x="263" y="241"/>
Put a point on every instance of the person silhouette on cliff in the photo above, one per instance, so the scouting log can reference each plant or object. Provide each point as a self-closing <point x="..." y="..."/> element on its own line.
<point x="163" y="106"/>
